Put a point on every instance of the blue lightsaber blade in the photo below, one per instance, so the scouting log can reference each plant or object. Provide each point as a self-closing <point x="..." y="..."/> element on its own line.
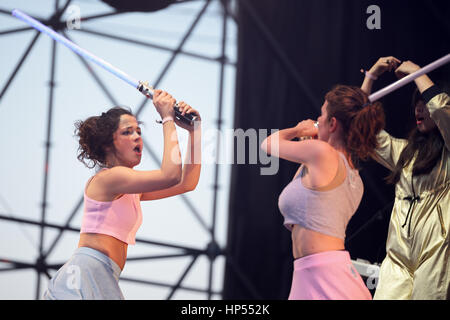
<point x="140" y="85"/>
<point x="82" y="52"/>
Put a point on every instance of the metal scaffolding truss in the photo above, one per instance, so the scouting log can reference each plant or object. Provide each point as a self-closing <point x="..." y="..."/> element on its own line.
<point x="212" y="249"/>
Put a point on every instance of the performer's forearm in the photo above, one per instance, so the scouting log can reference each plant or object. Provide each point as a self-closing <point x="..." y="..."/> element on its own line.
<point x="275" y="138"/>
<point x="192" y="166"/>
<point x="367" y="85"/>
<point x="423" y="83"/>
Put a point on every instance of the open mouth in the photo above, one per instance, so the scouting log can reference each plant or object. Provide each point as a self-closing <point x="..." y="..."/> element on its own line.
<point x="419" y="120"/>
<point x="137" y="149"/>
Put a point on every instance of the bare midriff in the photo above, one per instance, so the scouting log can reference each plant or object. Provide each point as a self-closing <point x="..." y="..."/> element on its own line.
<point x="110" y="246"/>
<point x="306" y="242"/>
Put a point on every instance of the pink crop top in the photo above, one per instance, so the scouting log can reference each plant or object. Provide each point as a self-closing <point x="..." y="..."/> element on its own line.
<point x="120" y="218"/>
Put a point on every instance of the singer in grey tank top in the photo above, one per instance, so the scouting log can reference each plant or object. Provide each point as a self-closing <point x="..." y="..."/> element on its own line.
<point x="318" y="203"/>
<point x="326" y="212"/>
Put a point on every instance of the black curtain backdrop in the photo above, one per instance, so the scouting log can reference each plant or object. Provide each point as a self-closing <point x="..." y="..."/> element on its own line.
<point x="291" y="52"/>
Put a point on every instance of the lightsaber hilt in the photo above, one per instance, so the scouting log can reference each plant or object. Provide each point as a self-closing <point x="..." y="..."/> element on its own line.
<point x="147" y="91"/>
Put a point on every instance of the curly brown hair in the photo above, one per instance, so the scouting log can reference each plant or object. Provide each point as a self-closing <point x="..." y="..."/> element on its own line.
<point x="361" y="120"/>
<point x="96" y="136"/>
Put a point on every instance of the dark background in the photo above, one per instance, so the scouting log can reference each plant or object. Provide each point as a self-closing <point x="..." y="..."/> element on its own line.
<point x="291" y="52"/>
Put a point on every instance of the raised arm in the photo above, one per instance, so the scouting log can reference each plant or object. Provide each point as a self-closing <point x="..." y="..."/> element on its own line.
<point x="423" y="82"/>
<point x="315" y="154"/>
<point x="389" y="148"/>
<point x="280" y="143"/>
<point x="122" y="180"/>
<point x="318" y="156"/>
<point x="192" y="165"/>
<point x="437" y="102"/>
<point x="382" y="65"/>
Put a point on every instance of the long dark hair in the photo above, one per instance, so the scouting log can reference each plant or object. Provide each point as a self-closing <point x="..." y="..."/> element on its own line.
<point x="96" y="135"/>
<point x="427" y="145"/>
<point x="361" y="120"/>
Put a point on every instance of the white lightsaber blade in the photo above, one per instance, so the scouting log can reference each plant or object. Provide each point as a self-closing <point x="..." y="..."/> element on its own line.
<point x="403" y="81"/>
<point x="82" y="52"/>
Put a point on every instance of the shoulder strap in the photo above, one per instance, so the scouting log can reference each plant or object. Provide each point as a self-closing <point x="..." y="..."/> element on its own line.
<point x="91" y="178"/>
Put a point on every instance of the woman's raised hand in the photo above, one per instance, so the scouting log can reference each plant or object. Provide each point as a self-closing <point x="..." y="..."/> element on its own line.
<point x="306" y="128"/>
<point x="406" y="68"/>
<point x="184" y="108"/>
<point x="164" y="103"/>
<point x="384" y="64"/>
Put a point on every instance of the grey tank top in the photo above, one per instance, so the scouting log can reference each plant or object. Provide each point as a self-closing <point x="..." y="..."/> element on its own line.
<point x="327" y="212"/>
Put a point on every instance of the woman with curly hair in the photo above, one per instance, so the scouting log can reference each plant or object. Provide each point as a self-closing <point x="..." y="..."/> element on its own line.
<point x="112" y="211"/>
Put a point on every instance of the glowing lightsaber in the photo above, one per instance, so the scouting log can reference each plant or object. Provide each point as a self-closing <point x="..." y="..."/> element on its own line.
<point x="140" y="85"/>
<point x="403" y="81"/>
<point x="56" y="36"/>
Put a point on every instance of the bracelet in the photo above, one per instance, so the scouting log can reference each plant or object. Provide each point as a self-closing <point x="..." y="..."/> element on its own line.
<point x="370" y="76"/>
<point x="169" y="118"/>
<point x="164" y="120"/>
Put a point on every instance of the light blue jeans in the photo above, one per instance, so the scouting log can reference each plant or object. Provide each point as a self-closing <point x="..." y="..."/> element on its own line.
<point x="89" y="275"/>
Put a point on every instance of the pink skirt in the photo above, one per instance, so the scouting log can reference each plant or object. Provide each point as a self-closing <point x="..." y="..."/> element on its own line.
<point x="327" y="275"/>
